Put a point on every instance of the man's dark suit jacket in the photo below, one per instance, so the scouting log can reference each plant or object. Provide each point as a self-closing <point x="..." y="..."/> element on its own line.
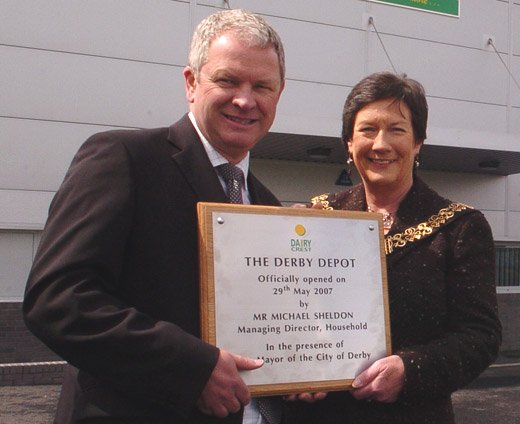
<point x="114" y="285"/>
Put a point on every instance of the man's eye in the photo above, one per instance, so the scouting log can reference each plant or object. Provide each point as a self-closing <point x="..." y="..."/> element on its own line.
<point x="225" y="82"/>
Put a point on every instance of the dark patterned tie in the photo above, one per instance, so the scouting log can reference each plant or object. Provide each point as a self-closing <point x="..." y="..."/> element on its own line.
<point x="270" y="408"/>
<point x="234" y="179"/>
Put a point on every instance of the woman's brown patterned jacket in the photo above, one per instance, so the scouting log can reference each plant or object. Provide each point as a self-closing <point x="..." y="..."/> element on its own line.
<point x="443" y="309"/>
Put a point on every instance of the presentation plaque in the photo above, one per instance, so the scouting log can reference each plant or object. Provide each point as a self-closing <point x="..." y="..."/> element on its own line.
<point x="303" y="289"/>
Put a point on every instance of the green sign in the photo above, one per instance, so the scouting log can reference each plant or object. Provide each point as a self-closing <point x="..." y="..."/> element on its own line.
<point x="446" y="7"/>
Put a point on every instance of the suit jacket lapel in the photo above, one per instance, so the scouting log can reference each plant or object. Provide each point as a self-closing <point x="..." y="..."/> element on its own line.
<point x="259" y="193"/>
<point x="193" y="162"/>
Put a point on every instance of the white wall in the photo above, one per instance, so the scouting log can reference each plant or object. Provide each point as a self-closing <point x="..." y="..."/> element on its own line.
<point x="70" y="68"/>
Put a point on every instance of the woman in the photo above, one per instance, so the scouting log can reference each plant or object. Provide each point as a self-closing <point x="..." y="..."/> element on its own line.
<point x="440" y="256"/>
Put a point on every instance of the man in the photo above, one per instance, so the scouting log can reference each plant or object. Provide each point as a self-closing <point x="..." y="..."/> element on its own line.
<point x="114" y="285"/>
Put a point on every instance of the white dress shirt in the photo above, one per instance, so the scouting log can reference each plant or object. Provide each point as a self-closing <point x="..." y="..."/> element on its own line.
<point x="251" y="413"/>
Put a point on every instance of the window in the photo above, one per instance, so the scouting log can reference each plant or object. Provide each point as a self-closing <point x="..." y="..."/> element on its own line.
<point x="508" y="268"/>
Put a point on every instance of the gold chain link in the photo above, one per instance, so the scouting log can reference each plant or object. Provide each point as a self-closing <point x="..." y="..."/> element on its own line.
<point x="424" y="228"/>
<point x="411" y="234"/>
<point x="323" y="200"/>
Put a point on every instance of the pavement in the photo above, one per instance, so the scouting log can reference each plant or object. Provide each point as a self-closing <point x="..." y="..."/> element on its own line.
<point x="494" y="398"/>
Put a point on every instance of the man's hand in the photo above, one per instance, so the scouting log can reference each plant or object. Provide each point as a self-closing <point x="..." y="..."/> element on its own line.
<point x="382" y="381"/>
<point x="225" y="391"/>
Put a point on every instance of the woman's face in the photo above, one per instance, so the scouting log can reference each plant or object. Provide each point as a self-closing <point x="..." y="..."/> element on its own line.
<point x="383" y="145"/>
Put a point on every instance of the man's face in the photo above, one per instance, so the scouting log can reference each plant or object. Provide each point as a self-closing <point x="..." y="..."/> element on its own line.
<point x="234" y="99"/>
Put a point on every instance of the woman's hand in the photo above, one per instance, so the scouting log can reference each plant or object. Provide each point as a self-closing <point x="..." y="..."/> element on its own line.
<point x="306" y="397"/>
<point x="382" y="381"/>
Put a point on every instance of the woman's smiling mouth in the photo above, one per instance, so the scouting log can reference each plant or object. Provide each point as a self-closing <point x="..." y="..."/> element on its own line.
<point x="381" y="161"/>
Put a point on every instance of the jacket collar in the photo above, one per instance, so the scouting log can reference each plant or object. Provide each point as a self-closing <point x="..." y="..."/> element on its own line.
<point x="193" y="162"/>
<point x="419" y="204"/>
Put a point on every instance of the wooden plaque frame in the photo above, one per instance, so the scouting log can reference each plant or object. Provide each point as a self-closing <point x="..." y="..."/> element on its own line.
<point x="243" y="249"/>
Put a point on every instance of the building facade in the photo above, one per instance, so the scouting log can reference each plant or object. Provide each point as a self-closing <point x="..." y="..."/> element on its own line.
<point x="73" y="68"/>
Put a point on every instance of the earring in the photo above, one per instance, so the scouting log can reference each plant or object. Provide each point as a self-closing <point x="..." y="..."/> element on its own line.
<point x="416" y="162"/>
<point x="349" y="165"/>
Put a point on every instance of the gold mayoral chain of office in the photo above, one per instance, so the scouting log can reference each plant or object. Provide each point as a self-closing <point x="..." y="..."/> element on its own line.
<point x="411" y="234"/>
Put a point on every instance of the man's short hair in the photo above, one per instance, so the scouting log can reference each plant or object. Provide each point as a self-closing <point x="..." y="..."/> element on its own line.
<point x="249" y="27"/>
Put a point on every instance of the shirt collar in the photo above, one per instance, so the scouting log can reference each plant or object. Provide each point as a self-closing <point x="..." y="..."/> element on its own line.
<point x="215" y="157"/>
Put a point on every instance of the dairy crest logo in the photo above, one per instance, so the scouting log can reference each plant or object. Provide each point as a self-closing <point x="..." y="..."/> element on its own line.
<point x="300" y="244"/>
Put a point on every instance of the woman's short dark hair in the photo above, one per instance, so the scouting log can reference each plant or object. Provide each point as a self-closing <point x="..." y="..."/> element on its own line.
<point x="387" y="85"/>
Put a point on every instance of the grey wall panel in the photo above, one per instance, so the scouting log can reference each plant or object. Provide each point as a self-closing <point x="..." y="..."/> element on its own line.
<point x="24" y="209"/>
<point x="513" y="214"/>
<point x="515" y="122"/>
<point x="145" y="30"/>
<point x="446" y="71"/>
<point x="322" y="53"/>
<point x="342" y="13"/>
<point x="514" y="193"/>
<point x="37" y="236"/>
<point x="468" y="188"/>
<point x="36" y="154"/>
<point x="497" y="222"/>
<point x="467" y="115"/>
<point x="294" y="182"/>
<point x="513" y="226"/>
<point x="315" y="51"/>
<point x="515" y="28"/>
<point x="15" y="261"/>
<point x="310" y="108"/>
<point x="74" y="88"/>
<point x="515" y="87"/>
